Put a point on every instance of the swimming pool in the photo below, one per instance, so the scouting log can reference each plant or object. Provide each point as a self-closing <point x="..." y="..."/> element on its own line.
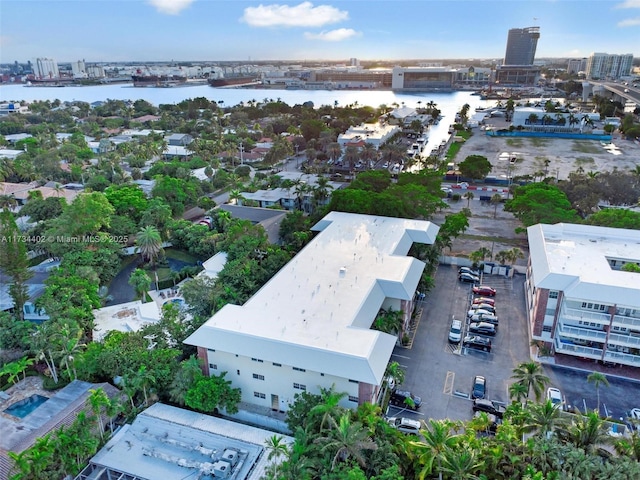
<point x="24" y="407"/>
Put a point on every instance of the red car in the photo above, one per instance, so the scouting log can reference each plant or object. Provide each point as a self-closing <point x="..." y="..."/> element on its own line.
<point x="488" y="301"/>
<point x="484" y="290"/>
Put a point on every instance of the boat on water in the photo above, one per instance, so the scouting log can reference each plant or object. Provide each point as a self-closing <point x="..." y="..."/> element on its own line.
<point x="158" y="80"/>
<point x="234" y="80"/>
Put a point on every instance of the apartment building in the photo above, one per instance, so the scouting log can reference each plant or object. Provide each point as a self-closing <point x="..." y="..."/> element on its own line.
<point x="580" y="300"/>
<point x="605" y="66"/>
<point x="309" y="327"/>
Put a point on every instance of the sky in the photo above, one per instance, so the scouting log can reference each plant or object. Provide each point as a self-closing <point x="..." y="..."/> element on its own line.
<point x="209" y="30"/>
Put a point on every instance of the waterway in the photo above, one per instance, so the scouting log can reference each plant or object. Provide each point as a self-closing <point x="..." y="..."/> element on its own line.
<point x="449" y="103"/>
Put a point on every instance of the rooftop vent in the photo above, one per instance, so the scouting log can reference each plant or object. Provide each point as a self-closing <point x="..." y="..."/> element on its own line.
<point x="343" y="271"/>
<point x="230" y="456"/>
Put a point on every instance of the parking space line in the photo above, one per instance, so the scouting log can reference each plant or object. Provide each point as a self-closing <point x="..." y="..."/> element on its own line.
<point x="448" y="383"/>
<point x="399" y="356"/>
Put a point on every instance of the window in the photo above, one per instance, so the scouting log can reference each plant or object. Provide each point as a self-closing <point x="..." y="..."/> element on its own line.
<point x="257" y="376"/>
<point x="257" y="360"/>
<point x="547" y="328"/>
<point x="213" y="366"/>
<point x="259" y="395"/>
<point x="353" y="381"/>
<point x="353" y="399"/>
<point x="553" y="294"/>
<point x="299" y="369"/>
<point x="299" y="386"/>
<point x="277" y="364"/>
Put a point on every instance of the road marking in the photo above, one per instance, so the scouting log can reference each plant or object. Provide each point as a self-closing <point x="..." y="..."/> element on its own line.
<point x="403" y="409"/>
<point x="399" y="356"/>
<point x="448" y="383"/>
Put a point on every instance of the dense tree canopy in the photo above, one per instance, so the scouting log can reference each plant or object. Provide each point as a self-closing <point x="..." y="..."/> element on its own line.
<point x="541" y="203"/>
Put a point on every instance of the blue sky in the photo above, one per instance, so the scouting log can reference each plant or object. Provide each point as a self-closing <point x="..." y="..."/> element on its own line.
<point x="157" y="30"/>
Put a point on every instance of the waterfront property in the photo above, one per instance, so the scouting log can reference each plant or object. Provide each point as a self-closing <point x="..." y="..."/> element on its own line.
<point x="309" y="327"/>
<point x="580" y="301"/>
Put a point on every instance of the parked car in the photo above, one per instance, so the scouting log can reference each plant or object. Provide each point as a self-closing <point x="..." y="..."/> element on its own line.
<point x="555" y="396"/>
<point x="455" y="332"/>
<point x="484" y="317"/>
<point x="489" y="406"/>
<point x="467" y="277"/>
<point x="484" y="290"/>
<point x="477" y="343"/>
<point x="483" y="306"/>
<point x="479" y="311"/>
<point x="462" y="185"/>
<point x="482" y="328"/>
<point x="399" y="397"/>
<point x="469" y="270"/>
<point x="492" y="426"/>
<point x="479" y="387"/>
<point x="405" y="425"/>
<point x="485" y="300"/>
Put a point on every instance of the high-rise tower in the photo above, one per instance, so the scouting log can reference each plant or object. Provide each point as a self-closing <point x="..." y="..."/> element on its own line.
<point x="521" y="46"/>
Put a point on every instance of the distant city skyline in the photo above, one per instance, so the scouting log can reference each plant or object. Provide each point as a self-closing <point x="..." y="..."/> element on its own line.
<point x="209" y="30"/>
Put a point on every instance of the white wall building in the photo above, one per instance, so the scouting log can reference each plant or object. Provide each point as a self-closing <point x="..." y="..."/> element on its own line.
<point x="374" y="133"/>
<point x="45" y="68"/>
<point x="309" y="327"/>
<point x="579" y="300"/>
<point x="602" y="66"/>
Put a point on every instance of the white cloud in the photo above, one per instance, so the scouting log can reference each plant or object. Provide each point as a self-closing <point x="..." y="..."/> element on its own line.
<point x="630" y="22"/>
<point x="333" y="35"/>
<point x="170" y="7"/>
<point x="629" y="4"/>
<point x="302" y="15"/>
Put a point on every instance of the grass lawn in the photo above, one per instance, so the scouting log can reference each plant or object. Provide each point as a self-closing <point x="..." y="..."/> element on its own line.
<point x="538" y="142"/>
<point x="514" y="142"/>
<point x="586" y="146"/>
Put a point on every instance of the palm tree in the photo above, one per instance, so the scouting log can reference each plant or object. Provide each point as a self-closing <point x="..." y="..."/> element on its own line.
<point x="598" y="379"/>
<point x="348" y="440"/>
<point x="329" y="407"/>
<point x="469" y="196"/>
<point x="149" y="243"/>
<point x="518" y="392"/>
<point x="99" y="400"/>
<point x="533" y="119"/>
<point x="234" y="196"/>
<point x="530" y="374"/>
<point x="544" y="418"/>
<point x="140" y="282"/>
<point x="395" y="373"/>
<point x="461" y="464"/>
<point x="438" y="439"/>
<point x="586" y="432"/>
<point x="276" y="446"/>
<point x="69" y="346"/>
<point x="496" y="199"/>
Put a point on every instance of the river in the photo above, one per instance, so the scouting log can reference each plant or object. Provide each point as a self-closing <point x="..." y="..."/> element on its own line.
<point x="448" y="103"/>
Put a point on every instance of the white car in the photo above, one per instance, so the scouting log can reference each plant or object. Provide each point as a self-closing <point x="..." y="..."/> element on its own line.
<point x="455" y="333"/>
<point x="555" y="396"/>
<point x="405" y="425"/>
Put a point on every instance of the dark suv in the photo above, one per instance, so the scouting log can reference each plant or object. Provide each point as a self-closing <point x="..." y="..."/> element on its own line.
<point x="398" y="398"/>
<point x="488" y="406"/>
<point x="477" y="342"/>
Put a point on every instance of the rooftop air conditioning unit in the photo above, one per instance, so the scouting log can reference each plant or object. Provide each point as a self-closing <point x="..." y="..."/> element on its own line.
<point x="230" y="456"/>
<point x="221" y="469"/>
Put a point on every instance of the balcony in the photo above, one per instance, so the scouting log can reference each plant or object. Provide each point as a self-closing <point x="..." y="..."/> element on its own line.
<point x="622" y="321"/>
<point x="582" y="333"/>
<point x="622" y="358"/>
<point x="577" y="350"/>
<point x="585" y="315"/>
<point x="624" y="340"/>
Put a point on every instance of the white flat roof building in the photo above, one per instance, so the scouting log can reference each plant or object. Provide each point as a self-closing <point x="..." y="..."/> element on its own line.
<point x="374" y="133"/>
<point x="312" y="320"/>
<point x="579" y="298"/>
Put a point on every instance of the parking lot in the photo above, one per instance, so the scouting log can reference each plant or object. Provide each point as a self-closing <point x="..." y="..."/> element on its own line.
<point x="441" y="373"/>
